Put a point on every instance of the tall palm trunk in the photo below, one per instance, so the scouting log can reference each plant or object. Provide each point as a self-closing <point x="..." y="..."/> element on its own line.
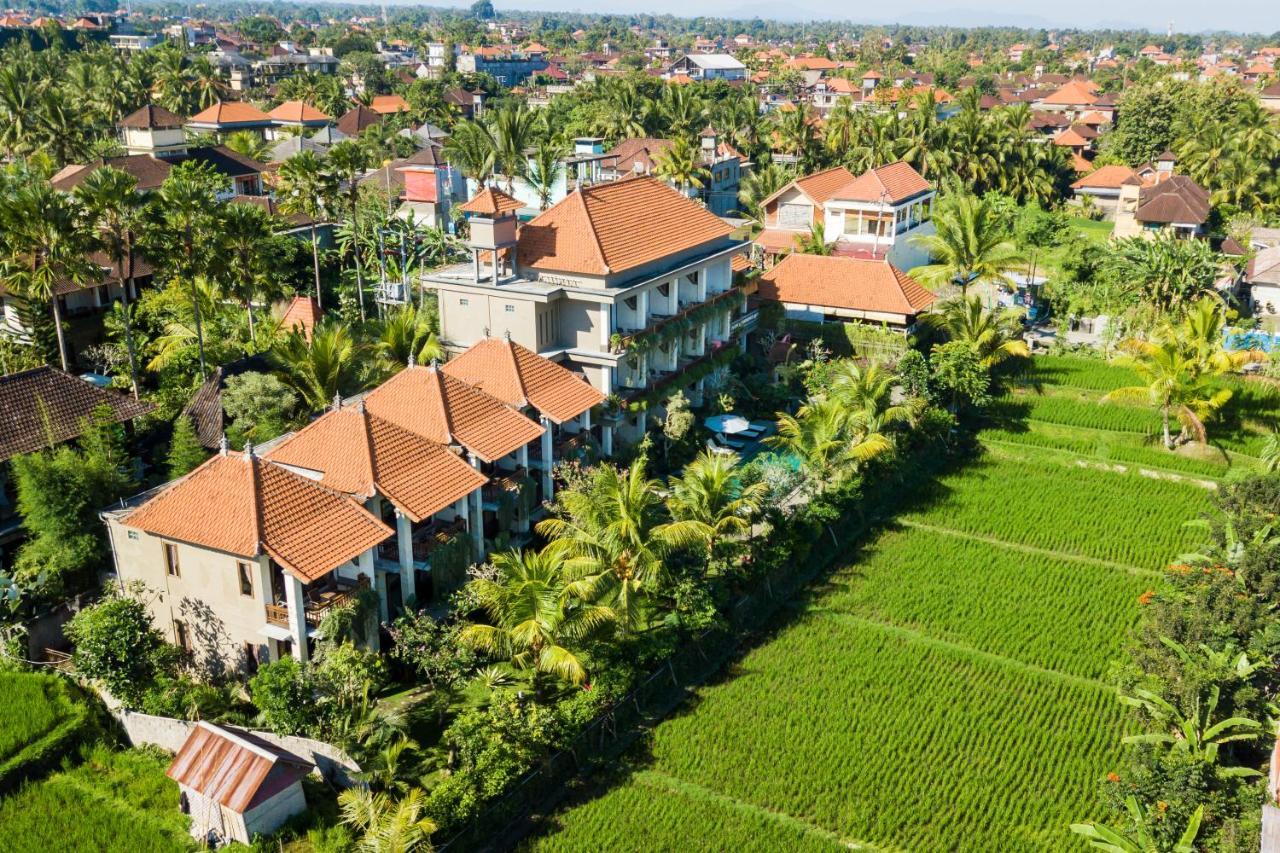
<point x="315" y="261"/>
<point x="195" y="307"/>
<point x="1168" y="440"/>
<point x="127" y="279"/>
<point x="57" y="325"/>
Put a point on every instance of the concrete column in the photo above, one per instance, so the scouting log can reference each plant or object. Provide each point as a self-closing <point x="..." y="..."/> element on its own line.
<point x="522" y="517"/>
<point x="606" y="440"/>
<point x="548" y="488"/>
<point x="522" y="456"/>
<point x="606" y="325"/>
<point x="297" y="616"/>
<point x="476" y="524"/>
<point x="586" y="421"/>
<point x="365" y="564"/>
<point x="380" y="586"/>
<point x="404" y="539"/>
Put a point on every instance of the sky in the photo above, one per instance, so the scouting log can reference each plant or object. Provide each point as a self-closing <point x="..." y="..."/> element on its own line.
<point x="1188" y="16"/>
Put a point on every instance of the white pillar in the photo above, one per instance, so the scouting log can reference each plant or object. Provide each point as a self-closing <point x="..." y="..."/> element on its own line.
<point x="365" y="564"/>
<point x="522" y="457"/>
<point x="548" y="489"/>
<point x="477" y="516"/>
<point x="606" y="440"/>
<point x="297" y="616"/>
<point x="404" y="538"/>
<point x="380" y="586"/>
<point x="586" y="421"/>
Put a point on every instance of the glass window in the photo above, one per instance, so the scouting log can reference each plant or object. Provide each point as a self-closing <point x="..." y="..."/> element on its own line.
<point x="171" y="560"/>
<point x="245" y="573"/>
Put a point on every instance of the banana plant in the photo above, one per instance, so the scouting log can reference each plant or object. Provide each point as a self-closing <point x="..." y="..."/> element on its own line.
<point x="1194" y="733"/>
<point x="1140" y="840"/>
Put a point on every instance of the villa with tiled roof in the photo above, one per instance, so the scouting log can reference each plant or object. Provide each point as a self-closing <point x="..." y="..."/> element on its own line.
<point x="398" y="490"/>
<point x="608" y="264"/>
<point x="839" y="289"/>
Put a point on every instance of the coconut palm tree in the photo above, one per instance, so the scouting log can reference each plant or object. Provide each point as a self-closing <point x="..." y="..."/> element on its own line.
<point x="246" y="235"/>
<point x="304" y="186"/>
<point x="403" y="335"/>
<point x="710" y="491"/>
<point x="759" y="185"/>
<point x="970" y="246"/>
<point x="187" y="200"/>
<point x="796" y="134"/>
<point x="545" y="171"/>
<point x="1174" y="382"/>
<point x="814" y="436"/>
<point x="248" y="143"/>
<point x="512" y="130"/>
<point x="387" y="825"/>
<point x="44" y="245"/>
<point x="114" y="209"/>
<point x="869" y="390"/>
<point x="348" y="160"/>
<point x="1166" y="274"/>
<point x="1270" y="455"/>
<point x="681" y="164"/>
<point x="615" y="540"/>
<point x="320" y="369"/>
<point x="472" y="149"/>
<point x="814" y="242"/>
<point x="537" y="620"/>
<point x="684" y="110"/>
<point x="995" y="336"/>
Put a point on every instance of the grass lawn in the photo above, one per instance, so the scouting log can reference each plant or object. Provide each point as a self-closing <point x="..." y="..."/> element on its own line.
<point x="945" y="689"/>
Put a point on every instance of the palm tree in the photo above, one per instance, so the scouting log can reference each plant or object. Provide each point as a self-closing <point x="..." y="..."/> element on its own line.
<point x="545" y="170"/>
<point x="970" y="246"/>
<point x="246" y="233"/>
<point x="796" y="134"/>
<point x="994" y="336"/>
<point x="813" y="436"/>
<point x="472" y="149"/>
<point x="759" y="185"/>
<point x="318" y="370"/>
<point x="387" y="825"/>
<point x="348" y="160"/>
<point x="304" y="187"/>
<point x="537" y="619"/>
<point x="814" y="242"/>
<point x="114" y="207"/>
<point x="681" y="164"/>
<point x="710" y="492"/>
<point x="45" y="245"/>
<point x="404" y="334"/>
<point x="512" y="131"/>
<point x="1141" y="840"/>
<point x="684" y="110"/>
<point x="614" y="539"/>
<point x="1270" y="455"/>
<point x="249" y="144"/>
<point x="187" y="202"/>
<point x="1175" y="384"/>
<point x="1166" y="274"/>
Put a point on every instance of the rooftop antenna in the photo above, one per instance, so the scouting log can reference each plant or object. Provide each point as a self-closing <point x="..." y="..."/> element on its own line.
<point x="1171" y="29"/>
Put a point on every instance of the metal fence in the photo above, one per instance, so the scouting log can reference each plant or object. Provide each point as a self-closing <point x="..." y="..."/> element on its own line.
<point x="613" y="731"/>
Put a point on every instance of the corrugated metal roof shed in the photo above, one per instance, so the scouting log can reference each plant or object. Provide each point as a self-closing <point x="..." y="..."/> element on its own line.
<point x="233" y="767"/>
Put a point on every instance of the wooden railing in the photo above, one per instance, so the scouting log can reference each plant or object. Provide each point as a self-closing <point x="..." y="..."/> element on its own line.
<point x="317" y="604"/>
<point x="439" y="533"/>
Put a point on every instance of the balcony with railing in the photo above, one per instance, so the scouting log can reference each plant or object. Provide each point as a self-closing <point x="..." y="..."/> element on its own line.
<point x="318" y="602"/>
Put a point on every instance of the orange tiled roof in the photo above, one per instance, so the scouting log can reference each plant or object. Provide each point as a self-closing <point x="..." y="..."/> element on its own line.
<point x="892" y="183"/>
<point x="297" y="111"/>
<point x="617" y="226"/>
<point x="1070" y="138"/>
<point x="362" y="454"/>
<point x="854" y="284"/>
<point x="1075" y="92"/>
<point x="434" y="405"/>
<point x="819" y="186"/>
<point x="385" y="104"/>
<point x="520" y="377"/>
<point x="491" y="201"/>
<point x="303" y="314"/>
<point x="229" y="112"/>
<point x="1107" y="178"/>
<point x="248" y="506"/>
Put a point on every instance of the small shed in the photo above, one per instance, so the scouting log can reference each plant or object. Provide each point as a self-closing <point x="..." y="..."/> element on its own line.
<point x="235" y="785"/>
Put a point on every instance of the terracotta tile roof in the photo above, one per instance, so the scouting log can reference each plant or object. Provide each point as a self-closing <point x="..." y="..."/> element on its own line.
<point x="644" y="150"/>
<point x="1075" y="93"/>
<point x="1107" y="178"/>
<point x="142" y="269"/>
<point x="385" y="104"/>
<point x="520" y="377"/>
<point x="151" y="117"/>
<point x="303" y="313"/>
<point x="390" y="178"/>
<point x="363" y="455"/>
<point x="434" y="405"/>
<point x="1175" y="199"/>
<point x="778" y="240"/>
<point x="491" y="201"/>
<point x="892" y="183"/>
<point x="820" y="186"/>
<point x="233" y="767"/>
<point x="45" y="406"/>
<point x="205" y="406"/>
<point x="1070" y="138"/>
<point x="1080" y="163"/>
<point x="272" y="208"/>
<point x="617" y="226"/>
<point x="296" y="112"/>
<point x="230" y="112"/>
<point x="248" y="506"/>
<point x="1094" y="118"/>
<point x="355" y="120"/>
<point x="840" y="282"/>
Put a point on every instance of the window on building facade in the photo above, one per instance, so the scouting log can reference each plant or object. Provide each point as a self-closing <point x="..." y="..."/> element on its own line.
<point x="171" y="560"/>
<point x="246" y="578"/>
<point x="510" y="309"/>
<point x="180" y="636"/>
<point x="464" y="302"/>
<point x="794" y="215"/>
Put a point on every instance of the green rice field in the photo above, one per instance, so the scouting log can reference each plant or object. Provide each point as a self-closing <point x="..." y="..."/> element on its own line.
<point x="945" y="688"/>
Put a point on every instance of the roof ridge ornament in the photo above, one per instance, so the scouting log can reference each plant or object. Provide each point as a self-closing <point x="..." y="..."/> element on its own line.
<point x="337" y="400"/>
<point x="249" y="453"/>
<point x="223" y="445"/>
<point x="413" y="361"/>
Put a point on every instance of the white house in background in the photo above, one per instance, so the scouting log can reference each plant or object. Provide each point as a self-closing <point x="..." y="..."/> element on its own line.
<point x="1263" y="279"/>
<point x="707" y="66"/>
<point x="235" y="786"/>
